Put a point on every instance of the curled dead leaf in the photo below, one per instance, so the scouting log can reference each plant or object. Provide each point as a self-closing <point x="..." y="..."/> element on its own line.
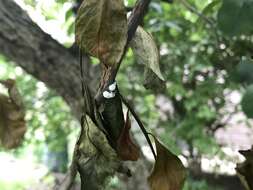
<point x="152" y="82"/>
<point x="146" y="52"/>
<point x="126" y="149"/>
<point x="168" y="172"/>
<point x="12" y="122"/>
<point x="101" y="29"/>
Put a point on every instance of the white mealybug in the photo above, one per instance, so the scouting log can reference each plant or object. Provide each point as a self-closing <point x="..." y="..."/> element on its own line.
<point x="106" y="94"/>
<point x="112" y="94"/>
<point x="112" y="87"/>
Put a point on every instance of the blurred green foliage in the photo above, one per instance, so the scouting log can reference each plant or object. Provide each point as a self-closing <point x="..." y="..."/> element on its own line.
<point x="11" y="185"/>
<point x="244" y="70"/>
<point x="197" y="185"/>
<point x="202" y="44"/>
<point x="235" y="17"/>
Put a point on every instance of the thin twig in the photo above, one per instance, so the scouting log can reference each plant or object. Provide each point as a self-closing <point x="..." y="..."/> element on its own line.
<point x="195" y="11"/>
<point x="203" y="17"/>
<point x="135" y="19"/>
<point x="136" y="117"/>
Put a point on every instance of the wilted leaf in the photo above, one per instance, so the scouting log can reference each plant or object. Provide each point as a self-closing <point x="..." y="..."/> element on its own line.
<point x="151" y="81"/>
<point x="146" y="53"/>
<point x="126" y="149"/>
<point x="101" y="29"/>
<point x="95" y="156"/>
<point x="247" y="102"/>
<point x="245" y="169"/>
<point x="168" y="172"/>
<point x="12" y="122"/>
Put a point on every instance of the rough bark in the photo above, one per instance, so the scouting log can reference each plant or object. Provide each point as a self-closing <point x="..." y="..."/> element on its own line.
<point x="23" y="42"/>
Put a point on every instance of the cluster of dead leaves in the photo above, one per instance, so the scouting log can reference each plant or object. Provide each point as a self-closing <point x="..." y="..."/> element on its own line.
<point x="12" y="122"/>
<point x="101" y="31"/>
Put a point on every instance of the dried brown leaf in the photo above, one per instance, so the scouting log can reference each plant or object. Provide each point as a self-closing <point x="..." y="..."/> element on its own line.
<point x="168" y="172"/>
<point x="152" y="82"/>
<point x="126" y="149"/>
<point x="101" y="29"/>
<point x="146" y="52"/>
<point x="12" y="122"/>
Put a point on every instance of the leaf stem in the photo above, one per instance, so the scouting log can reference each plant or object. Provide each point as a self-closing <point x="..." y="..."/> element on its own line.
<point x="136" y="117"/>
<point x="135" y="19"/>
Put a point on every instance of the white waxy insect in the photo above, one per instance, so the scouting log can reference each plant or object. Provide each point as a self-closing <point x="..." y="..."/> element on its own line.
<point x="108" y="95"/>
<point x="112" y="94"/>
<point x="112" y="87"/>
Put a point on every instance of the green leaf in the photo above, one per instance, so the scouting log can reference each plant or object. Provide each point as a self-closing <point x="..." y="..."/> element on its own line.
<point x="208" y="9"/>
<point x="71" y="28"/>
<point x="101" y="29"/>
<point x="210" y="6"/>
<point x="146" y="52"/>
<point x="247" y="102"/>
<point x="235" y="17"/>
<point x="68" y="14"/>
<point x="244" y="71"/>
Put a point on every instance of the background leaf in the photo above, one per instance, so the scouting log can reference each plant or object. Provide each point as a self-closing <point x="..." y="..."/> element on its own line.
<point x="247" y="102"/>
<point x="235" y="17"/>
<point x="244" y="71"/>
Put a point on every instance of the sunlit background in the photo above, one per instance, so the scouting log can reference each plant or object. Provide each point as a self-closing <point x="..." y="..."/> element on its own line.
<point x="27" y="167"/>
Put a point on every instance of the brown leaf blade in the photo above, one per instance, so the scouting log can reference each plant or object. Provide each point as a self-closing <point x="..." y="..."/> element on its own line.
<point x="101" y="29"/>
<point x="146" y="52"/>
<point x="245" y="169"/>
<point x="168" y="172"/>
<point x="12" y="116"/>
<point x="126" y="149"/>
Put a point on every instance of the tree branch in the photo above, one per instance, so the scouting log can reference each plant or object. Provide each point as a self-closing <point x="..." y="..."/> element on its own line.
<point x="135" y="19"/>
